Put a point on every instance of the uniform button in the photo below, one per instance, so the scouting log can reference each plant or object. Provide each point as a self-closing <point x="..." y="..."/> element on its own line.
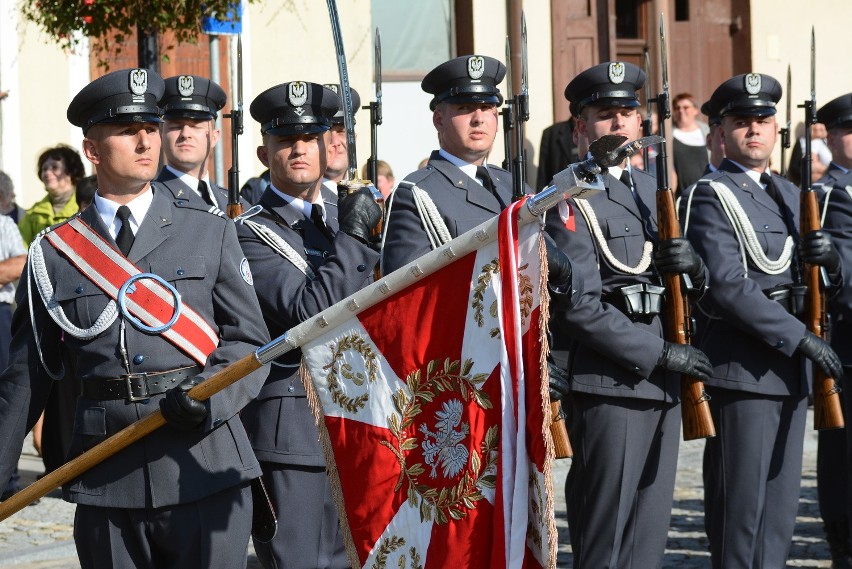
<point x="180" y="272"/>
<point x="361" y="268"/>
<point x="766" y="227"/>
<point x="636" y="369"/>
<point x="180" y="202"/>
<point x="627" y="229"/>
<point x="291" y="389"/>
<point x="138" y="359"/>
<point x="79" y="289"/>
<point x="779" y="344"/>
<point x="217" y="422"/>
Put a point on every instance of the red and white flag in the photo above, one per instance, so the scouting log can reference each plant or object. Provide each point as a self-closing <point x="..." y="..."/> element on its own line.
<point x="434" y="413"/>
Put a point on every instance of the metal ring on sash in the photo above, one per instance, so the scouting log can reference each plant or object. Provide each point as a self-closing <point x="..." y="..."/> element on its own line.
<point x="122" y="299"/>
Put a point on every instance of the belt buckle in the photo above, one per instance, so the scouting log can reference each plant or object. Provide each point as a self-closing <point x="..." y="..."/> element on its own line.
<point x="143" y="382"/>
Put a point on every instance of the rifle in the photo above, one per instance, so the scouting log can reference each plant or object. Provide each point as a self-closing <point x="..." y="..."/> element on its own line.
<point x="695" y="406"/>
<point x="574" y="180"/>
<point x="352" y="183"/>
<point x="375" y="111"/>
<point x="235" y="207"/>
<point x="522" y="115"/>
<point x="828" y="413"/>
<point x="785" y="132"/>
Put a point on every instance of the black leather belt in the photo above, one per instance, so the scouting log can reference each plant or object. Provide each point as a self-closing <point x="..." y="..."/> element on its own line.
<point x="790" y="296"/>
<point x="137" y="386"/>
<point x="641" y="301"/>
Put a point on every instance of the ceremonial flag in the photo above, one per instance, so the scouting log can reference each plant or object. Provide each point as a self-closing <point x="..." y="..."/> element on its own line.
<point x="434" y="414"/>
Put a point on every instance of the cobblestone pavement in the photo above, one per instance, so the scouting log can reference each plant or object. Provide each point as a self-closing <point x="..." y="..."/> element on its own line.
<point x="40" y="536"/>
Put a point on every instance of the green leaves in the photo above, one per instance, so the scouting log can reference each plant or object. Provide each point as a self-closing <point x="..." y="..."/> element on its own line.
<point x="109" y="22"/>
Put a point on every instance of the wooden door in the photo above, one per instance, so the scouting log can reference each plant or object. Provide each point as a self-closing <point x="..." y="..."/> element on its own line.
<point x="580" y="35"/>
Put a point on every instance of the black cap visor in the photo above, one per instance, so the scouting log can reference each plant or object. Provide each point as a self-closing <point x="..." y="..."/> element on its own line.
<point x="287" y="127"/>
<point x="748" y="108"/>
<point x="468" y="94"/>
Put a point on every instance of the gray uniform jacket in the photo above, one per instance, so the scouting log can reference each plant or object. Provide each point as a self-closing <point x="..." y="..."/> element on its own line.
<point x="838" y="224"/>
<point x="280" y="424"/>
<point x="748" y="337"/>
<point x="612" y="355"/>
<point x="183" y="192"/>
<point x="198" y="253"/>
<point x="462" y="202"/>
<point x="834" y="177"/>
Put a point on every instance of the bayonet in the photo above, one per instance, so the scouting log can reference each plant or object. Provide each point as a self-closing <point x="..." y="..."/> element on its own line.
<point x="235" y="208"/>
<point x="646" y="124"/>
<point x="522" y="115"/>
<point x="508" y="112"/>
<point x="785" y="132"/>
<point x="376" y="110"/>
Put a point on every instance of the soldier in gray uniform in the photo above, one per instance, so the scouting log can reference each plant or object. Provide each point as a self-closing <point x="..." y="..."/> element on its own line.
<point x="744" y="221"/>
<point x="833" y="457"/>
<point x="190" y="104"/>
<point x="307" y="252"/>
<point x="457" y="190"/>
<point x="624" y="415"/>
<point x="180" y="497"/>
<point x="464" y="190"/>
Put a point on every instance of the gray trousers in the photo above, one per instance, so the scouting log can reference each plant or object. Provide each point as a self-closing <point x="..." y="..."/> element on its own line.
<point x="752" y="477"/>
<point x="211" y="533"/>
<point x="309" y="535"/>
<point x="620" y="488"/>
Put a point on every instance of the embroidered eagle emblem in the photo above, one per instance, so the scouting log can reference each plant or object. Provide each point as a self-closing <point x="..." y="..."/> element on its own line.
<point x="444" y="447"/>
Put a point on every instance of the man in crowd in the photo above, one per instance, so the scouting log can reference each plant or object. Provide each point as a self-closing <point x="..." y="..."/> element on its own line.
<point x="623" y="415"/>
<point x="744" y="223"/>
<point x="834" y="450"/>
<point x="190" y="104"/>
<point x="180" y="497"/>
<point x="307" y="252"/>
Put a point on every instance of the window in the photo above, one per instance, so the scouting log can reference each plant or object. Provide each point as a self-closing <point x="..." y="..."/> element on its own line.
<point x="416" y="36"/>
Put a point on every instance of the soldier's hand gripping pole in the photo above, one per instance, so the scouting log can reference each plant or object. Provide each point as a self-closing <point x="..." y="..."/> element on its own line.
<point x="695" y="406"/>
<point x="828" y="412"/>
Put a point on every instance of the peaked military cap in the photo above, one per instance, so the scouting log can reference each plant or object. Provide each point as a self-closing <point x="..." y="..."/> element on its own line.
<point x="837" y="112"/>
<point x="612" y="84"/>
<point x="466" y="79"/>
<point x="123" y="96"/>
<point x="711" y="113"/>
<point x="752" y="94"/>
<point x="356" y="102"/>
<point x="297" y="107"/>
<point x="192" y="97"/>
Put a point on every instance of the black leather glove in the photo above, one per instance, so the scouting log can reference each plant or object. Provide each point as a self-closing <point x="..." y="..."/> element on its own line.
<point x="816" y="248"/>
<point x="686" y="359"/>
<point x="818" y="351"/>
<point x="558" y="266"/>
<point x="179" y="409"/>
<point x="359" y="216"/>
<point x="676" y="256"/>
<point x="559" y="384"/>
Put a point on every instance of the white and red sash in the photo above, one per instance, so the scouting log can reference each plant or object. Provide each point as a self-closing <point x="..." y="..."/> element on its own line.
<point x="149" y="301"/>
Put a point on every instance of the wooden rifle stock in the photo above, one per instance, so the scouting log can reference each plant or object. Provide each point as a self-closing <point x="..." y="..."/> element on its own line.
<point x="559" y="432"/>
<point x="695" y="406"/>
<point x="828" y="412"/>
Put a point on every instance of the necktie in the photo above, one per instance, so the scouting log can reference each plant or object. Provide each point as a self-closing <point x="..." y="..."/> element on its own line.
<point x="205" y="192"/>
<point x="488" y="184"/>
<point x="625" y="179"/>
<point x="316" y="217"/>
<point x="771" y="189"/>
<point x="124" y="239"/>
